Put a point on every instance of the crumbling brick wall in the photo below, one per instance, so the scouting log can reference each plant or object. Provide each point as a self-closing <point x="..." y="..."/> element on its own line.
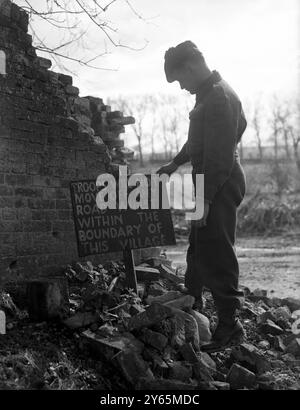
<point x="47" y="139"/>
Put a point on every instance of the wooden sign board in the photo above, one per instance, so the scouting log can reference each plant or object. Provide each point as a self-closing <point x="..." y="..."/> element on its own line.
<point x="113" y="230"/>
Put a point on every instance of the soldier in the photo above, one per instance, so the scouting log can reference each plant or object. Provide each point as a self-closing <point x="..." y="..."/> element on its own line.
<point x="217" y="123"/>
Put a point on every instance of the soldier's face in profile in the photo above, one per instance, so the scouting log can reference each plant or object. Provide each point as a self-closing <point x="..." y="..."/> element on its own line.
<point x="185" y="78"/>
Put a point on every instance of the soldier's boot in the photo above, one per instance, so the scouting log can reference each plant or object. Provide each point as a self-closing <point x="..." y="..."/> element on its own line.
<point x="229" y="332"/>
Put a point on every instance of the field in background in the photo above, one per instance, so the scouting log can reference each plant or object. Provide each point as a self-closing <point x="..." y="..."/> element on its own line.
<point x="272" y="202"/>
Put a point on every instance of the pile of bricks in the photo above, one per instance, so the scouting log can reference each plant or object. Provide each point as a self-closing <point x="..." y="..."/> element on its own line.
<point x="97" y="118"/>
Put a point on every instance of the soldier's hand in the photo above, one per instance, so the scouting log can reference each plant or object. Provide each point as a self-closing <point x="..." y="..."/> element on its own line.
<point x="167" y="168"/>
<point x="200" y="223"/>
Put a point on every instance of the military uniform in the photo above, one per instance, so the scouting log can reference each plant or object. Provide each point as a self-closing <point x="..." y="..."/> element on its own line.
<point x="217" y="123"/>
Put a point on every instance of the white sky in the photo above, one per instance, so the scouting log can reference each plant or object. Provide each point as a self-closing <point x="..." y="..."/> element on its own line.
<point x="254" y="44"/>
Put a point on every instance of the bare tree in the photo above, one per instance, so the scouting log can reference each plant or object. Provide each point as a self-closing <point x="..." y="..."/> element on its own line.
<point x="256" y="124"/>
<point x="284" y="116"/>
<point x="173" y="118"/>
<point x="165" y="127"/>
<point x="241" y="150"/>
<point x="285" y="130"/>
<point x="137" y="107"/>
<point x="293" y="130"/>
<point x="153" y="107"/>
<point x="72" y="22"/>
<point x="160" y="122"/>
<point x="275" y="127"/>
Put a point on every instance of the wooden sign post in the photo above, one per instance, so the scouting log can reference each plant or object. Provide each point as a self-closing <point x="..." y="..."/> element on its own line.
<point x="113" y="230"/>
<point x="128" y="258"/>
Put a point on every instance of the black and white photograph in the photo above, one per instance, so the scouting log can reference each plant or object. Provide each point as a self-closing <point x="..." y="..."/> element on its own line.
<point x="149" y="199"/>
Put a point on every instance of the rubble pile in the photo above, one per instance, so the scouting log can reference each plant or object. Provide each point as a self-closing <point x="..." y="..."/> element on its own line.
<point x="152" y="340"/>
<point x="96" y="118"/>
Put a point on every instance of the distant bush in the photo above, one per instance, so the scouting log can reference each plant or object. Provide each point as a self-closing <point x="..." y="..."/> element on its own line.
<point x="268" y="214"/>
<point x="271" y="177"/>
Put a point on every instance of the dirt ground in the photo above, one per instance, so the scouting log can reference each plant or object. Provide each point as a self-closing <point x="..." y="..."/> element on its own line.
<point x="271" y="263"/>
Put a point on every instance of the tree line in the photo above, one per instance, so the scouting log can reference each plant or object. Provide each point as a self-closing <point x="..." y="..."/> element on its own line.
<point x="162" y="124"/>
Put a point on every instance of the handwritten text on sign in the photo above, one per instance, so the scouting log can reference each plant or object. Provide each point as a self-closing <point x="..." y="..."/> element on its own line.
<point x="111" y="230"/>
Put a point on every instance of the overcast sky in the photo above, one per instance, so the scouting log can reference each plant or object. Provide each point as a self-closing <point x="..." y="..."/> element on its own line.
<point x="254" y="44"/>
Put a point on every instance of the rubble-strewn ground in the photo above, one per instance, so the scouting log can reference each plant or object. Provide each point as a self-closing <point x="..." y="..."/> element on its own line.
<point x="115" y="339"/>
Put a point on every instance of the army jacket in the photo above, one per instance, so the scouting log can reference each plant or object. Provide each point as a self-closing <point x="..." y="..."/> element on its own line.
<point x="217" y="123"/>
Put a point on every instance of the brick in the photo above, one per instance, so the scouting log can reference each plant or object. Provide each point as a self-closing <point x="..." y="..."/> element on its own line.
<point x="43" y="181"/>
<point x="41" y="203"/>
<point x="34" y="169"/>
<point x="221" y="385"/>
<point x="185" y="329"/>
<point x="7" y="238"/>
<point x="62" y="204"/>
<point x="269" y="327"/>
<point x="44" y="62"/>
<point x="9" y="214"/>
<point x="65" y="215"/>
<point x="189" y="353"/>
<point x="14" y="179"/>
<point x="63" y="226"/>
<point x="23" y="213"/>
<point x="47" y="299"/>
<point x="166" y="385"/>
<point x="49" y="193"/>
<point x="20" y="202"/>
<point x="292" y="303"/>
<point x="71" y="90"/>
<point x="11" y="226"/>
<point x="154" y="339"/>
<point x="239" y="377"/>
<point x="123" y="121"/>
<point x="294" y="347"/>
<point x="35" y="148"/>
<point x="36" y="226"/>
<point x="250" y="356"/>
<point x="38" y="215"/>
<point x="6" y="6"/>
<point x="81" y="319"/>
<point x="158" y="364"/>
<point x="184" y="302"/>
<point x="153" y="314"/>
<point x="29" y="192"/>
<point x="168" y="273"/>
<point x="133" y="367"/>
<point x="7" y="250"/>
<point x="114" y="114"/>
<point x="171" y="295"/>
<point x="6" y="201"/>
<point x="6" y="190"/>
<point x="203" y="325"/>
<point x="62" y="194"/>
<point x="50" y="214"/>
<point x="65" y="79"/>
<point x="179" y="371"/>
